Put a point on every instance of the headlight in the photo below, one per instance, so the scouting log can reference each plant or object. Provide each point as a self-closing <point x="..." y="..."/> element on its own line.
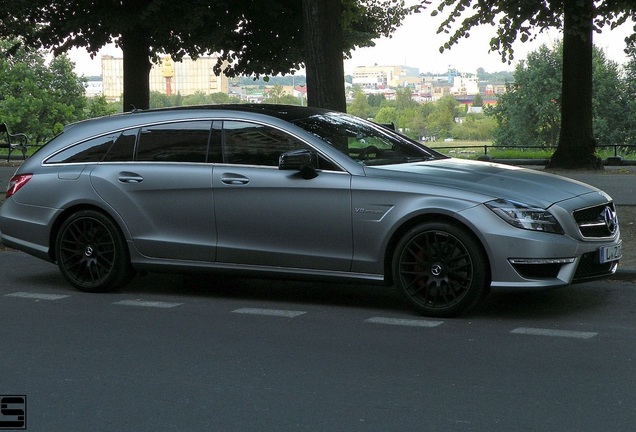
<point x="523" y="216"/>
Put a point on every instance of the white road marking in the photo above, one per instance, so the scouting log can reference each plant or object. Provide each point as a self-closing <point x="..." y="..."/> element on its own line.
<point x="270" y="312"/>
<point x="404" y="322"/>
<point x="37" y="296"/>
<point x="142" y="303"/>
<point x="556" y="333"/>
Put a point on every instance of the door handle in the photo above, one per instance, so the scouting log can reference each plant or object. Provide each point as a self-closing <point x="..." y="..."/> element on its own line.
<point x="128" y="177"/>
<point x="234" y="179"/>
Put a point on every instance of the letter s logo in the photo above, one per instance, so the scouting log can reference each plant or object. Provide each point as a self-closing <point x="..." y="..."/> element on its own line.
<point x="13" y="410"/>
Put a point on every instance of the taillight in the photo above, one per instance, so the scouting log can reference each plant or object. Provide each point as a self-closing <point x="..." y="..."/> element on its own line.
<point x="17" y="181"/>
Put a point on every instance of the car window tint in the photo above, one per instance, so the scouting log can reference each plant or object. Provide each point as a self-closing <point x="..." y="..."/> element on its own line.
<point x="174" y="142"/>
<point x="247" y="143"/>
<point x="123" y="148"/>
<point x="92" y="150"/>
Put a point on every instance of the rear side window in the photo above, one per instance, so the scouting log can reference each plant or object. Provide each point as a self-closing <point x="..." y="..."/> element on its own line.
<point x="174" y="142"/>
<point x="92" y="150"/>
<point x="123" y="149"/>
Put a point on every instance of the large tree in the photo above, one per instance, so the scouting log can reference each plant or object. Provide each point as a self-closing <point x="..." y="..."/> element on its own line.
<point x="251" y="37"/>
<point x="524" y="19"/>
<point x="529" y="113"/>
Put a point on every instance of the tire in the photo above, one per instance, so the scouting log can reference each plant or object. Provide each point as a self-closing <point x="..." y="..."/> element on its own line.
<point x="440" y="269"/>
<point x="91" y="252"/>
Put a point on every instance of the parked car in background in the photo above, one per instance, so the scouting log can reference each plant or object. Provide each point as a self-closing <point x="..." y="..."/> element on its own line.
<point x="302" y="192"/>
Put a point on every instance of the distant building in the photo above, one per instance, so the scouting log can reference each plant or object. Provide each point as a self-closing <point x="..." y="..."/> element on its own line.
<point x="465" y="84"/>
<point x="185" y="77"/>
<point x="93" y="88"/>
<point x="379" y="77"/>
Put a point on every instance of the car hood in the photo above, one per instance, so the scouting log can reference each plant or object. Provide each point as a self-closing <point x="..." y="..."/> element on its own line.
<point x="490" y="179"/>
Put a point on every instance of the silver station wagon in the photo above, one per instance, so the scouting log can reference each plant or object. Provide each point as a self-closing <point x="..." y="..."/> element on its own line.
<point x="294" y="191"/>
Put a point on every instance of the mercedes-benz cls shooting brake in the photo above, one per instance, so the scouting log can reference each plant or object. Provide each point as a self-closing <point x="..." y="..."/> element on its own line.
<point x="283" y="190"/>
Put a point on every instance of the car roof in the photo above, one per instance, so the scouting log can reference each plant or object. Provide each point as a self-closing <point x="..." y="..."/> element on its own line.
<point x="283" y="112"/>
<point x="287" y="113"/>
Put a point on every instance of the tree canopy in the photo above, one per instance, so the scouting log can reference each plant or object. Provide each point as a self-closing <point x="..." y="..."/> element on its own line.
<point x="39" y="98"/>
<point x="529" y="113"/>
<point x="523" y="20"/>
<point x="251" y="39"/>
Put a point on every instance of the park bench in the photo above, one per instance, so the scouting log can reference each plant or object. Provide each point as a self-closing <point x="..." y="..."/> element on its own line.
<point x="12" y="142"/>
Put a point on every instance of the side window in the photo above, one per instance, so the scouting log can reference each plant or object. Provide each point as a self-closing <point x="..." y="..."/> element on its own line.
<point x="254" y="144"/>
<point x="123" y="148"/>
<point x="174" y="142"/>
<point x="92" y="150"/>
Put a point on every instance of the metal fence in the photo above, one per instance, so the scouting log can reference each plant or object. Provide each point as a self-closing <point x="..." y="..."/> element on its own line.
<point x="623" y="154"/>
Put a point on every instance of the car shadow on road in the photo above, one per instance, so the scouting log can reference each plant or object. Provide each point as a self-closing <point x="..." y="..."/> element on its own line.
<point x="269" y="290"/>
<point x="575" y="300"/>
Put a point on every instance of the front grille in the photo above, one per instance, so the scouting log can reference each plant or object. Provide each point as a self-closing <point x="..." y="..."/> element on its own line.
<point x="598" y="221"/>
<point x="590" y="267"/>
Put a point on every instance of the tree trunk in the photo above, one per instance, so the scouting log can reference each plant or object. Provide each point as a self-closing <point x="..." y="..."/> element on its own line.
<point x="577" y="146"/>
<point x="324" y="67"/>
<point x="137" y="66"/>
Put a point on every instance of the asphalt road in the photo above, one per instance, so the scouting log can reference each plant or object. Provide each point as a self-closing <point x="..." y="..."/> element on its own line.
<point x="202" y="353"/>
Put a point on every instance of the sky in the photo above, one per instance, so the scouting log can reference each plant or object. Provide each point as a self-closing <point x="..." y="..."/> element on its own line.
<point x="416" y="44"/>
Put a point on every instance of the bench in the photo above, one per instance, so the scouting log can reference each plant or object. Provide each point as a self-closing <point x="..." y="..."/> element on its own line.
<point x="12" y="142"/>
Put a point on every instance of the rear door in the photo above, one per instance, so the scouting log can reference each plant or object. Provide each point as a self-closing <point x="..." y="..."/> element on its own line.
<point x="165" y="196"/>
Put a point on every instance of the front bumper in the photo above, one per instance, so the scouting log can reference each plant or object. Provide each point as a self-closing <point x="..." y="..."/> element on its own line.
<point x="530" y="259"/>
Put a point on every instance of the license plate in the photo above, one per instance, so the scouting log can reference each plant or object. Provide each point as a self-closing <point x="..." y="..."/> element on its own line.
<point x="610" y="253"/>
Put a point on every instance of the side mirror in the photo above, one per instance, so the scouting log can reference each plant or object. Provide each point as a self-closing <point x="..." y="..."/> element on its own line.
<point x="298" y="160"/>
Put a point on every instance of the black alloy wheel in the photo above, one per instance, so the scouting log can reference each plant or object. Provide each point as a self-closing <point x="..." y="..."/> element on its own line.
<point x="440" y="269"/>
<point x="91" y="252"/>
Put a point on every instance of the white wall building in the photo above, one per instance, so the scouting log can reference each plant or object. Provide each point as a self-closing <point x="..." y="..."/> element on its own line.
<point x="185" y="77"/>
<point x="466" y="84"/>
<point x="374" y="77"/>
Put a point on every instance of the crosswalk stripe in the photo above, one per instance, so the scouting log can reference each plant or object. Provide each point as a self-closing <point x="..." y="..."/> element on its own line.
<point x="557" y="333"/>
<point x="142" y="303"/>
<point x="404" y="322"/>
<point x="36" y="296"/>
<point x="269" y="312"/>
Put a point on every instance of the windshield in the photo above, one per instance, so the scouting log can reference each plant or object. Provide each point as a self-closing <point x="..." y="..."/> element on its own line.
<point x="365" y="142"/>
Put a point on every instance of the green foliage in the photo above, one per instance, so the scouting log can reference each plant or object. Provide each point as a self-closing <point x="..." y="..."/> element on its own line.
<point x="37" y="98"/>
<point x="475" y="127"/>
<point x="376" y="100"/>
<point x="388" y="115"/>
<point x="161" y="100"/>
<point x="252" y="39"/>
<point x="98" y="106"/>
<point x="478" y="102"/>
<point x="277" y="95"/>
<point x="610" y="103"/>
<point x="529" y="113"/>
<point x="359" y="105"/>
<point x="630" y="96"/>
<point x="403" y="99"/>
<point x="522" y="19"/>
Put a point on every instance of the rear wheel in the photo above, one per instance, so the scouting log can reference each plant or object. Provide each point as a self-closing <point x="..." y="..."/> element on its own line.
<point x="440" y="269"/>
<point x="91" y="252"/>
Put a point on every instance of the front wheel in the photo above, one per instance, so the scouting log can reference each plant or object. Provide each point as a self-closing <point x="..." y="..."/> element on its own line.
<point x="440" y="269"/>
<point x="91" y="252"/>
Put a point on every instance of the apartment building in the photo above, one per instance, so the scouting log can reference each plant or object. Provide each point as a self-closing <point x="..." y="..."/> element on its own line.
<point x="185" y="77"/>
